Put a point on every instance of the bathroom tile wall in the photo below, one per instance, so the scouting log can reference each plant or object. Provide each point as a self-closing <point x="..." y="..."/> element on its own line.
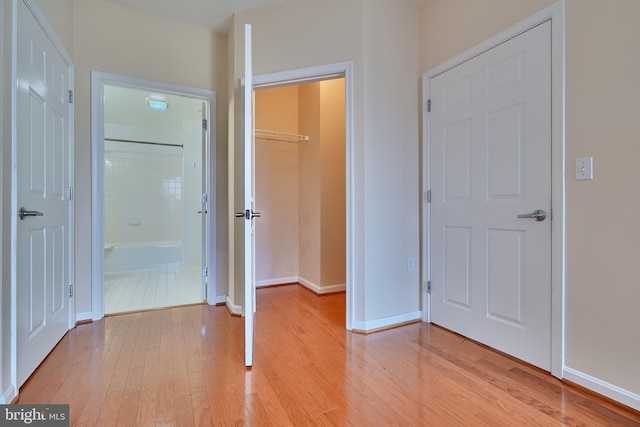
<point x="143" y="190"/>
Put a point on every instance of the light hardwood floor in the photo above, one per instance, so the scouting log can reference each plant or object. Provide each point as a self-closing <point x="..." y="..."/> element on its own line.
<point x="184" y="366"/>
<point x="152" y="288"/>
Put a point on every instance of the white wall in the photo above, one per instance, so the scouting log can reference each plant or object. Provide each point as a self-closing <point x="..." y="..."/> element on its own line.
<point x="602" y="347"/>
<point x="295" y="34"/>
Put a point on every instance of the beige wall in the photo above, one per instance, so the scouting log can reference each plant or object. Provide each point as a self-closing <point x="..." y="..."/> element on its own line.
<point x="322" y="184"/>
<point x="110" y="38"/>
<point x="391" y="175"/>
<point x="602" y="231"/>
<point x="276" y="176"/>
<point x="309" y="241"/>
<point x="59" y="15"/>
<point x="332" y="185"/>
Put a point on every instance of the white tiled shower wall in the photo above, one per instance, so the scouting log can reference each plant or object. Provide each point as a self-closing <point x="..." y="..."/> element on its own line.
<point x="143" y="194"/>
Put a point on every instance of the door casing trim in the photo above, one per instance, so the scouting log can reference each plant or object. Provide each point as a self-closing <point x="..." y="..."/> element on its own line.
<point x="98" y="80"/>
<point x="554" y="13"/>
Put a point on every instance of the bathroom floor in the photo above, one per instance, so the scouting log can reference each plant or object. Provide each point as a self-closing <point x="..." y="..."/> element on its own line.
<point x="154" y="288"/>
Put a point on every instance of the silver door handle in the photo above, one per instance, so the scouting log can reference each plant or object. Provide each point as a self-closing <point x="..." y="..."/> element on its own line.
<point x="248" y="214"/>
<point x="538" y="215"/>
<point x="22" y="213"/>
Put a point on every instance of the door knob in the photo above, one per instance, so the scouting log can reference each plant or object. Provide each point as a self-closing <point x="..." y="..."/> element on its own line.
<point x="538" y="215"/>
<point x="248" y="214"/>
<point x="22" y="213"/>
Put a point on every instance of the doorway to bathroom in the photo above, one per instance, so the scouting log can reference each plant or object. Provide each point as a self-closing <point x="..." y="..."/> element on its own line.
<point x="153" y="186"/>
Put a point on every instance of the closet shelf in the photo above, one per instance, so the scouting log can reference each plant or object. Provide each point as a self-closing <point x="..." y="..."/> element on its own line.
<point x="280" y="136"/>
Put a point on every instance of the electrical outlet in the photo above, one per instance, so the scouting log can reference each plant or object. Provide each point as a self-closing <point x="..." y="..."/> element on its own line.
<point x="584" y="168"/>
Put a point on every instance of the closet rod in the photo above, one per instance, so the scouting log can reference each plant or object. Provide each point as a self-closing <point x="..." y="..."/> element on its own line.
<point x="130" y="141"/>
<point x="280" y="136"/>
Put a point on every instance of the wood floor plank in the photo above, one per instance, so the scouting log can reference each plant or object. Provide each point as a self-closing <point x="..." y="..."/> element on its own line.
<point x="184" y="367"/>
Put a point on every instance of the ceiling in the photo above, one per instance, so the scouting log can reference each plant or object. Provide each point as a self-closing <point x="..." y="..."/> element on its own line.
<point x="212" y="14"/>
<point x="128" y="106"/>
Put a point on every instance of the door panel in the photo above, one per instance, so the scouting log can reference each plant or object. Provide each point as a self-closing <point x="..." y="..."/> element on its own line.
<point x="42" y="151"/>
<point x="490" y="160"/>
<point x="247" y="199"/>
<point x="204" y="208"/>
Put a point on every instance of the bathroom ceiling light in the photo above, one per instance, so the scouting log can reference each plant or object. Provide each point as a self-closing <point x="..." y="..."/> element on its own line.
<point x="157" y="104"/>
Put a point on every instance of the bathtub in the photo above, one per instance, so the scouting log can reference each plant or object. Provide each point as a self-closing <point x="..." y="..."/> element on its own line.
<point x="141" y="257"/>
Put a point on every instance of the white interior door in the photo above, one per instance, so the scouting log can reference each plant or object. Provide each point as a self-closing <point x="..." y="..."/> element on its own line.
<point x="490" y="161"/>
<point x="43" y="246"/>
<point x="204" y="208"/>
<point x="248" y="186"/>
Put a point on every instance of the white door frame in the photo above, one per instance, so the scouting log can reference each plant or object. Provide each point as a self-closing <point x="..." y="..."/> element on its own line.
<point x="98" y="81"/>
<point x="314" y="74"/>
<point x="9" y="394"/>
<point x="554" y="13"/>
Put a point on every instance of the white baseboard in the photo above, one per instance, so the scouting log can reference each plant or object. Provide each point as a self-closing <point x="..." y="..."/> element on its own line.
<point x="234" y="309"/>
<point x="611" y="391"/>
<point x="220" y="299"/>
<point x="320" y="289"/>
<point x="387" y="321"/>
<point x="8" y="396"/>
<point x="304" y="282"/>
<point x="81" y="317"/>
<point x="274" y="282"/>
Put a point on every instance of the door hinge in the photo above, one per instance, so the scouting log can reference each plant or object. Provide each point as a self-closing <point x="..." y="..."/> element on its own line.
<point x="70" y="96"/>
<point x="428" y="196"/>
<point x="204" y="124"/>
<point x="205" y="198"/>
<point x="428" y="286"/>
<point x="70" y="193"/>
<point x="428" y="105"/>
<point x="70" y="291"/>
<point x="205" y="272"/>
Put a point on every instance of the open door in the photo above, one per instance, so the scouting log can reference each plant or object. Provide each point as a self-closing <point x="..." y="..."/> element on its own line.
<point x="204" y="209"/>
<point x="246" y="213"/>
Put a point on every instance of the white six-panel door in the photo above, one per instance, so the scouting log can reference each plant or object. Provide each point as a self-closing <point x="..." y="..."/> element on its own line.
<point x="43" y="181"/>
<point x="490" y="161"/>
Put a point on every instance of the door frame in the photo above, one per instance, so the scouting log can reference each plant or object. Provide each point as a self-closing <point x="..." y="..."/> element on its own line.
<point x="556" y="14"/>
<point x="98" y="81"/>
<point x="8" y="395"/>
<point x="315" y="74"/>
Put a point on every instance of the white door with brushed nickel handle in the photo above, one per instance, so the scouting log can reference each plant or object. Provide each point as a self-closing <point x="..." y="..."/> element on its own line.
<point x="490" y="171"/>
<point x="43" y="209"/>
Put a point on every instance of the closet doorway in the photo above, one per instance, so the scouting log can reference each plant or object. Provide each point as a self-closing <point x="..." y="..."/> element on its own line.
<point x="151" y="182"/>
<point x="300" y="181"/>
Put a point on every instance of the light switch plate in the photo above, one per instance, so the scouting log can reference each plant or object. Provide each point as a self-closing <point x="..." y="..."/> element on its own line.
<point x="584" y="168"/>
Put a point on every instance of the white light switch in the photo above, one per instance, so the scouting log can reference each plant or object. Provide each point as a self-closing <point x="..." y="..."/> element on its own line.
<point x="584" y="168"/>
